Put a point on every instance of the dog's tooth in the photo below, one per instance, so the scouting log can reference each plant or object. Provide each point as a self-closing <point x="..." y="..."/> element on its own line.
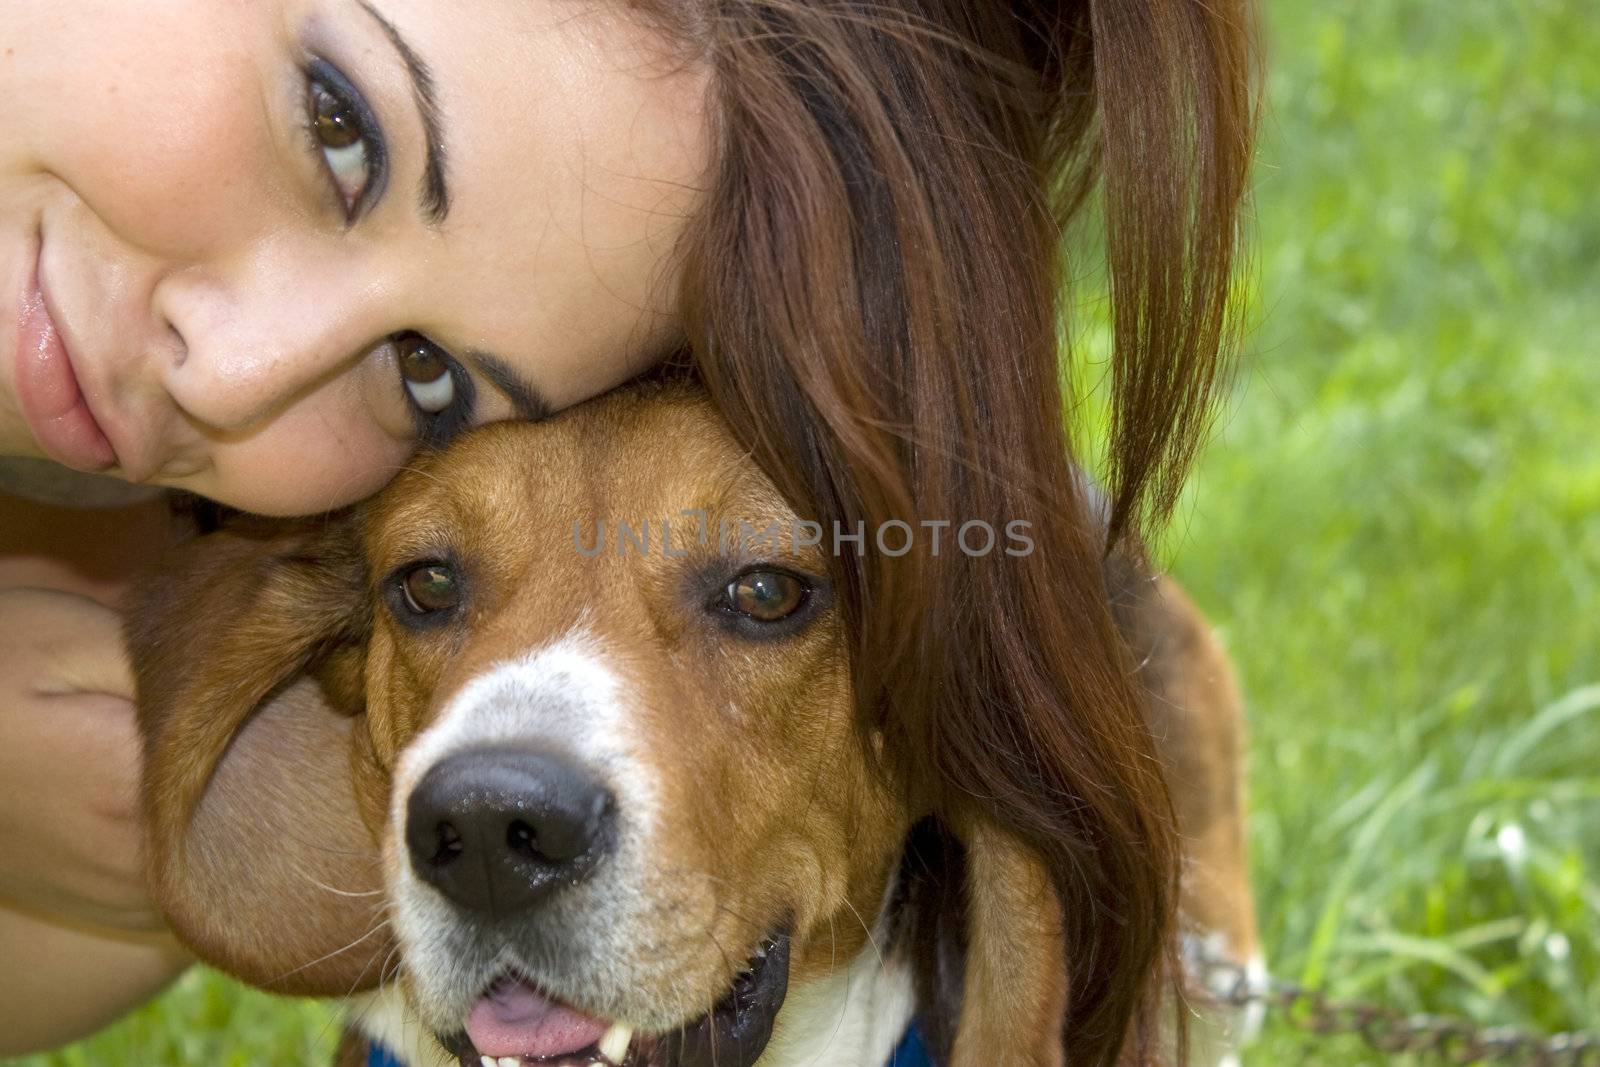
<point x="490" y="1061"/>
<point x="614" y="1046"/>
<point x="510" y="1061"/>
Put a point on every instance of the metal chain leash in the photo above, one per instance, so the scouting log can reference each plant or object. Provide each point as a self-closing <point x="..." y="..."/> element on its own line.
<point x="1449" y="1040"/>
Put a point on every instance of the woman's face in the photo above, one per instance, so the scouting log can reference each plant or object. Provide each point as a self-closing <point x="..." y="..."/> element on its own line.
<point x="260" y="248"/>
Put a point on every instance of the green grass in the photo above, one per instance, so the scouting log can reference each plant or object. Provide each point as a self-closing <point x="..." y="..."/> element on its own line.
<point x="208" y="1021"/>
<point x="1396" y="531"/>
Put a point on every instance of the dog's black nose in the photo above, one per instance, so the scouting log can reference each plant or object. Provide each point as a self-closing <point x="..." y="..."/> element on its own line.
<point x="498" y="830"/>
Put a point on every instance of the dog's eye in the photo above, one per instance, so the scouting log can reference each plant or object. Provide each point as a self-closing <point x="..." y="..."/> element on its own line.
<point x="430" y="589"/>
<point x="766" y="595"/>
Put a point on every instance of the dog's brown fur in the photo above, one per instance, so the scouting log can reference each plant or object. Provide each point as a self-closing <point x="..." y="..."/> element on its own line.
<point x="277" y="694"/>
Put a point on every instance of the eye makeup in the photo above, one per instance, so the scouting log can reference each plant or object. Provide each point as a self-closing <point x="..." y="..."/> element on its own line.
<point x="345" y="137"/>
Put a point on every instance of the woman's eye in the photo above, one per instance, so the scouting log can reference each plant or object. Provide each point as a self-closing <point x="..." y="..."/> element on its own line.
<point x="345" y="134"/>
<point x="426" y="371"/>
<point x="344" y="148"/>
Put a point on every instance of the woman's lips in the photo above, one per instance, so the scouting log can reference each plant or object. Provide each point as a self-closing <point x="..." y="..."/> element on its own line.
<point x="48" y="393"/>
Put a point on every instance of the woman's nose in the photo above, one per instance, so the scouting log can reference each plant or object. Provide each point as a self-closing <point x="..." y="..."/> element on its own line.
<point x="248" y="343"/>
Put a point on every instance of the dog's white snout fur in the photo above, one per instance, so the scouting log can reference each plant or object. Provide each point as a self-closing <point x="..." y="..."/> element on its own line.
<point x="563" y="696"/>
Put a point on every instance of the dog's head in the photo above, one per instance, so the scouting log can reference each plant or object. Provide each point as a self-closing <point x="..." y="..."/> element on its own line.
<point x="587" y="687"/>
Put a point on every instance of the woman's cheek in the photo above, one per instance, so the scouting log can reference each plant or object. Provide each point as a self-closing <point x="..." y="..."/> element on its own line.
<point x="163" y="122"/>
<point x="304" y="462"/>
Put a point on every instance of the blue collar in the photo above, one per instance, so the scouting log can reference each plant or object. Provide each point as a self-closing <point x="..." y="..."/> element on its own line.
<point x="909" y="1054"/>
<point x="378" y="1056"/>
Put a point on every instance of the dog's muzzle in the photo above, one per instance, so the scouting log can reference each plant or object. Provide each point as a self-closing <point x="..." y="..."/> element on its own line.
<point x="502" y="832"/>
<point x="515" y="1015"/>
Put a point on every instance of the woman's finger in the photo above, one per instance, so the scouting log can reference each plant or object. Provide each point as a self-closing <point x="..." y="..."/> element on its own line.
<point x="73" y="644"/>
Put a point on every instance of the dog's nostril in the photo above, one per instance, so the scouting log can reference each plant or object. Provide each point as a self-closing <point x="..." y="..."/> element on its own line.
<point x="449" y="844"/>
<point x="523" y="840"/>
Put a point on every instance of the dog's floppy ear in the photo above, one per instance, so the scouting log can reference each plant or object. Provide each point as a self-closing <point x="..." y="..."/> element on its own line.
<point x="247" y="649"/>
<point x="983" y="925"/>
<point x="1014" y="996"/>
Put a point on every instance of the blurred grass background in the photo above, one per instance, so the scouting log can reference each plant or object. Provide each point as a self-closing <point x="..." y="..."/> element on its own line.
<point x="1399" y="528"/>
<point x="1397" y="531"/>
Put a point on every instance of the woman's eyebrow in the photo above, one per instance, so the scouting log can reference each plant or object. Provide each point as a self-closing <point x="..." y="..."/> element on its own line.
<point x="434" y="199"/>
<point x="526" y="399"/>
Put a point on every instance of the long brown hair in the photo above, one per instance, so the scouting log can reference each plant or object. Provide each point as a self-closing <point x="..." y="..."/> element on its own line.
<point x="874" y="297"/>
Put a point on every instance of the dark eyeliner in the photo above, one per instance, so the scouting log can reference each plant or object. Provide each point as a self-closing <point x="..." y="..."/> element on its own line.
<point x="342" y="89"/>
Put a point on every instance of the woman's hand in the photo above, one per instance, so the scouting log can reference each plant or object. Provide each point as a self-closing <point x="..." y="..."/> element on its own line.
<point x="69" y="764"/>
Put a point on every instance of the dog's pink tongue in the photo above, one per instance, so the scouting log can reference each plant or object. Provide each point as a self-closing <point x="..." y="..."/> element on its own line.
<point x="514" y="1019"/>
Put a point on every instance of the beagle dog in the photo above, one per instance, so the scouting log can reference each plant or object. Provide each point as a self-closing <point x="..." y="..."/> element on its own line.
<point x="531" y="792"/>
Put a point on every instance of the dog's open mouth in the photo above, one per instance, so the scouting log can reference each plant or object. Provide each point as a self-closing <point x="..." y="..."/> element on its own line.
<point x="514" y="1024"/>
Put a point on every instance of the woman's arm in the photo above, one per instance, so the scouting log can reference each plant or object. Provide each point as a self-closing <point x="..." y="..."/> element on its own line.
<point x="60" y="983"/>
<point x="80" y="938"/>
<point x="69" y="763"/>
